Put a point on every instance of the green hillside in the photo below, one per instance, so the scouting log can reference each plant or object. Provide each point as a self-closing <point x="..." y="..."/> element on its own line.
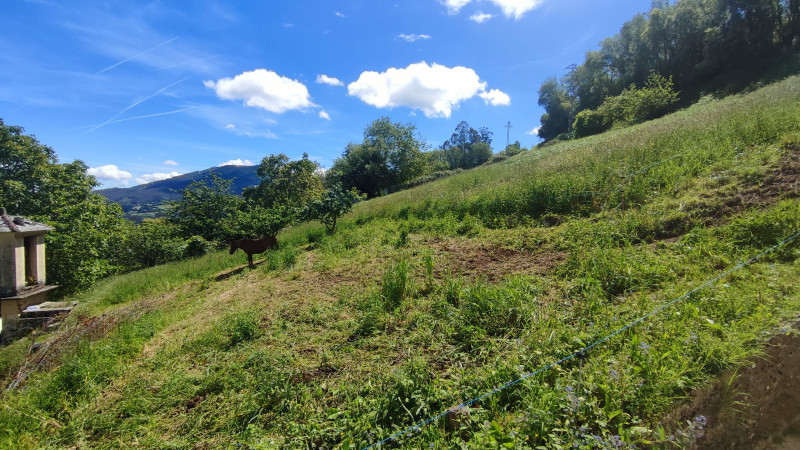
<point x="567" y="297"/>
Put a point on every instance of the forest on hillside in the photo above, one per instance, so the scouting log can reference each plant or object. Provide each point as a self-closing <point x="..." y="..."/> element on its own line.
<point x="688" y="42"/>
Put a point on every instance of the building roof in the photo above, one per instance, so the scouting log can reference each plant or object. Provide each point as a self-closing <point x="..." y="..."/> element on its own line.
<point x="19" y="224"/>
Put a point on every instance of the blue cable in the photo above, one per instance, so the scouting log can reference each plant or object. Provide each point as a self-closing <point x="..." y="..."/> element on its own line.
<point x="590" y="346"/>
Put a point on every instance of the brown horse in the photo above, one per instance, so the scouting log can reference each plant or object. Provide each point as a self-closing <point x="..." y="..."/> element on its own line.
<point x="252" y="247"/>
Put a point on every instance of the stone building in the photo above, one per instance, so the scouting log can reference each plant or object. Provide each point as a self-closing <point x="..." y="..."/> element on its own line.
<point x="22" y="267"/>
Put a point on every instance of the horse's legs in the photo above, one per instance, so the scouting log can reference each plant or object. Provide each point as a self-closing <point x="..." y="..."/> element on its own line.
<point x="250" y="259"/>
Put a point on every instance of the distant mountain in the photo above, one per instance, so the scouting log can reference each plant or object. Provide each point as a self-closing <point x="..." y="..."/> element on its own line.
<point x="158" y="192"/>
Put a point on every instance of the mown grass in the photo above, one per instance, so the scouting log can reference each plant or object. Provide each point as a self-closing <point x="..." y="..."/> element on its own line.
<point x="341" y="341"/>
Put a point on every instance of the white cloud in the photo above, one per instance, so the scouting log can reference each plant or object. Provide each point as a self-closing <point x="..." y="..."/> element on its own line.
<point x="496" y="97"/>
<point x="150" y="177"/>
<point x="534" y="132"/>
<point x="238" y="162"/>
<point x="510" y="8"/>
<point x="338" y="14"/>
<point x="433" y="89"/>
<point x="263" y="89"/>
<point x="170" y="162"/>
<point x="331" y="81"/>
<point x="516" y="8"/>
<point x="454" y="6"/>
<point x="109" y="172"/>
<point x="480" y="17"/>
<point x="230" y="126"/>
<point x="413" y="37"/>
<point x="324" y="115"/>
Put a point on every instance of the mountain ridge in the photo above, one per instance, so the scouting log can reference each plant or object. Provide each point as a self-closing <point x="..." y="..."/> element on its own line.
<point x="158" y="192"/>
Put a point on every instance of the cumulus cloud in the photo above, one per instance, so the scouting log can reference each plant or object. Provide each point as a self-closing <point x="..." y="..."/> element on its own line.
<point x="495" y="97"/>
<point x="338" y="14"/>
<point x="413" y="37"/>
<point x="534" y="132"/>
<point x="331" y="81"/>
<point x="324" y="115"/>
<point x="454" y="6"/>
<point x="109" y="172"/>
<point x="230" y="126"/>
<point x="151" y="177"/>
<point x="433" y="89"/>
<point x="238" y="162"/>
<point x="480" y="17"/>
<point x="263" y="89"/>
<point x="510" y="8"/>
<point x="516" y="8"/>
<point x="170" y="162"/>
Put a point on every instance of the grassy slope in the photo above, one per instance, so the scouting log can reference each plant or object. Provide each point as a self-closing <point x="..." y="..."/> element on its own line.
<point x="433" y="296"/>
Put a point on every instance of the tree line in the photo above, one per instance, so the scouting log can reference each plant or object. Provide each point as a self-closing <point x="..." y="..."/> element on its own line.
<point x="92" y="239"/>
<point x="686" y="43"/>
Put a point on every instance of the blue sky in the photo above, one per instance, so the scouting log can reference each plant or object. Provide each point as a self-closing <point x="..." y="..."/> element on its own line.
<point x="142" y="90"/>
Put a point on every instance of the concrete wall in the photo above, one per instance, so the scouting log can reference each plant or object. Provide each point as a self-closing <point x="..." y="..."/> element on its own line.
<point x="12" y="263"/>
<point x="37" y="263"/>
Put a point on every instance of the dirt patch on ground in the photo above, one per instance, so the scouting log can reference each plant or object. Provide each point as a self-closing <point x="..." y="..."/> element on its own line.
<point x="467" y="258"/>
<point x="782" y="183"/>
<point x="757" y="407"/>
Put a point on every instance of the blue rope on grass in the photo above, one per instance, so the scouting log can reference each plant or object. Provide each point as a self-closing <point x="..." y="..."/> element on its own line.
<point x="583" y="351"/>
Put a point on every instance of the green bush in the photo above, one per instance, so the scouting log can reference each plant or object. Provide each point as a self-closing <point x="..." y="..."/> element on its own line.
<point x="154" y="241"/>
<point x="590" y="122"/>
<point x="634" y="105"/>
<point x="196" y="246"/>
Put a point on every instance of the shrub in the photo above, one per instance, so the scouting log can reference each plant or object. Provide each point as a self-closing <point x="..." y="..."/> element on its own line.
<point x="154" y="241"/>
<point x="196" y="246"/>
<point x="590" y="122"/>
<point x="632" y="106"/>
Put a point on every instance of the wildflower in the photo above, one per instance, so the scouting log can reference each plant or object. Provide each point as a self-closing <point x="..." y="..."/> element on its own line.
<point x="700" y="421"/>
<point x="644" y="346"/>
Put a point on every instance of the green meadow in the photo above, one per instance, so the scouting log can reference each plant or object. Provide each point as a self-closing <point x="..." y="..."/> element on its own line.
<point x="409" y="321"/>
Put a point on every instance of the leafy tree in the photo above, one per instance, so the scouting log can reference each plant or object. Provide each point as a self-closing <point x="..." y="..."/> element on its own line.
<point x="204" y="207"/>
<point x="288" y="183"/>
<point x="558" y="106"/>
<point x="255" y="222"/>
<point x="390" y="155"/>
<point x="633" y="106"/>
<point x="467" y="147"/>
<point x="31" y="179"/>
<point x="513" y="149"/>
<point x="154" y="241"/>
<point x="692" y="41"/>
<point x="334" y="203"/>
<point x="87" y="227"/>
<point x="363" y="168"/>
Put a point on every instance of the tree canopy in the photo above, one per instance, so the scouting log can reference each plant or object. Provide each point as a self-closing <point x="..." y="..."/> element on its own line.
<point x="467" y="147"/>
<point x="390" y="155"/>
<point x="33" y="183"/>
<point x="288" y="183"/>
<point x="688" y="41"/>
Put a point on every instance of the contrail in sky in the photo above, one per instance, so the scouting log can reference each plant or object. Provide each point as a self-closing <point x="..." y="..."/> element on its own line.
<point x="148" y="115"/>
<point x="113" y="119"/>
<point x="136" y="56"/>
